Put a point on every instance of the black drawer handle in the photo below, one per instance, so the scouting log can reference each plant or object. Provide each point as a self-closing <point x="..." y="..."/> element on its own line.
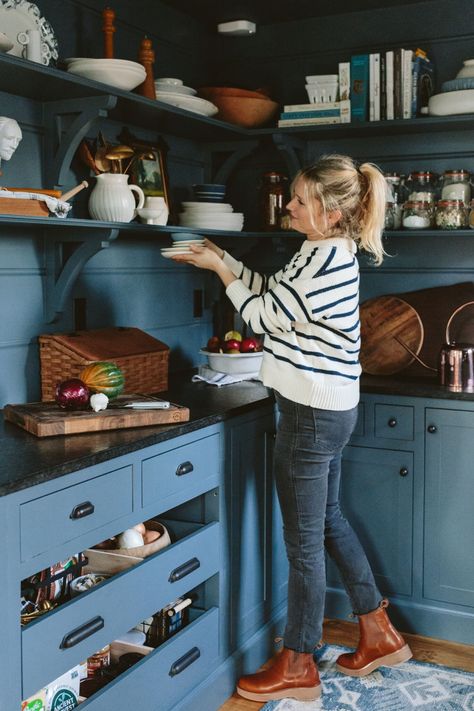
<point x="183" y="570"/>
<point x="81" y="510"/>
<point x="185" y="661"/>
<point x="403" y="471"/>
<point x="392" y="422"/>
<point x="81" y="633"/>
<point x="184" y="468"/>
<point x="432" y="429"/>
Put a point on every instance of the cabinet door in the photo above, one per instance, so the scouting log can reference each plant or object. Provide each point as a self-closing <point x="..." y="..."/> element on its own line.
<point x="377" y="498"/>
<point x="249" y="499"/>
<point x="449" y="496"/>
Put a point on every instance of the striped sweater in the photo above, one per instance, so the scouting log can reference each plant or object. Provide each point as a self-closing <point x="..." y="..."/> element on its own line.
<point x="309" y="313"/>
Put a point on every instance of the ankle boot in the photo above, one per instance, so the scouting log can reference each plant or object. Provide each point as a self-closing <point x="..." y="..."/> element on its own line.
<point x="291" y="675"/>
<point x="379" y="645"/>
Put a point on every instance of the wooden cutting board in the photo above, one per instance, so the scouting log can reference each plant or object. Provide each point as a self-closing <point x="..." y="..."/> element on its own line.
<point x="45" y="419"/>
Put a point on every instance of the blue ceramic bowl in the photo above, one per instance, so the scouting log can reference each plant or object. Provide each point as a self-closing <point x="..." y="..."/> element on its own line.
<point x="209" y="188"/>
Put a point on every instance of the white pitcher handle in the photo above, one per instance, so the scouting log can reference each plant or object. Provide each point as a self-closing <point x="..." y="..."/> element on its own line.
<point x="141" y="196"/>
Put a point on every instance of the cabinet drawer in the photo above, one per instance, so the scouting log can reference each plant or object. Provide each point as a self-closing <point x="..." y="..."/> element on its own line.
<point x="188" y="470"/>
<point x="103" y="614"/>
<point x="167" y="674"/>
<point x="69" y="513"/>
<point x="394" y="422"/>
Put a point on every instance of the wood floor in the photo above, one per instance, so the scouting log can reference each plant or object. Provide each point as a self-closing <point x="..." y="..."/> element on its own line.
<point x="425" y="649"/>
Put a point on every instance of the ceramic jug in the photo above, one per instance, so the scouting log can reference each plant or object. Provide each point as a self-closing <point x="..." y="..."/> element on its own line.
<point x="112" y="199"/>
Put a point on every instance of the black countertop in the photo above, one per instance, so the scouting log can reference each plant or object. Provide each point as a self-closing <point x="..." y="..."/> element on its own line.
<point x="27" y="460"/>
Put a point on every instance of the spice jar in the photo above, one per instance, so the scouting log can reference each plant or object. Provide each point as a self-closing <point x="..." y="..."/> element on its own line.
<point x="456" y="186"/>
<point x="451" y="215"/>
<point x="422" y="186"/>
<point x="273" y="200"/>
<point x="471" y="216"/>
<point x="417" y="215"/>
<point x="389" y="216"/>
<point x="395" y="195"/>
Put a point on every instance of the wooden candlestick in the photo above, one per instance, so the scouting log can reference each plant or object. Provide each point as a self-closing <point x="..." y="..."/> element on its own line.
<point x="146" y="57"/>
<point x="108" y="17"/>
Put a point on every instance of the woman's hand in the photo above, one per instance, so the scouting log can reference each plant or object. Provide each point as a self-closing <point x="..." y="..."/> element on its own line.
<point x="207" y="258"/>
<point x="214" y="247"/>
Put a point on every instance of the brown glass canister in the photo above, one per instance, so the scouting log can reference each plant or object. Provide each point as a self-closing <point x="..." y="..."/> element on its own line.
<point x="273" y="200"/>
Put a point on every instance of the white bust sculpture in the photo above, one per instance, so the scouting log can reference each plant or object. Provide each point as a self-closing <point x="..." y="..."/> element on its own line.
<point x="10" y="137"/>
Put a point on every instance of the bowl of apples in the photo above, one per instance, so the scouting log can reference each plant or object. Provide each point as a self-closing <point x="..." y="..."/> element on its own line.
<point x="234" y="354"/>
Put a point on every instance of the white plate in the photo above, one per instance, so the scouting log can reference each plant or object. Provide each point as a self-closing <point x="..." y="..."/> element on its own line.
<point x="190" y="103"/>
<point x="167" y="255"/>
<point x="187" y="242"/>
<point x="167" y="89"/>
<point x="21" y="16"/>
<point x="452" y="103"/>
<point x="222" y="206"/>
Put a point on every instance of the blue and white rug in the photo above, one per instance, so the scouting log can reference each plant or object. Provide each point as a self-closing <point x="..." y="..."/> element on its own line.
<point x="411" y="685"/>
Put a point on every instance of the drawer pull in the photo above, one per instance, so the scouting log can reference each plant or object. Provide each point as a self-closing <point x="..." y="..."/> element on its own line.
<point x="432" y="429"/>
<point x="81" y="510"/>
<point x="392" y="422"/>
<point x="81" y="633"/>
<point x="185" y="661"/>
<point x="184" y="468"/>
<point x="403" y="471"/>
<point x="183" y="570"/>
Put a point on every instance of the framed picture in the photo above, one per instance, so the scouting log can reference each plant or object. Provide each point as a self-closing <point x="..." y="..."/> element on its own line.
<point x="148" y="169"/>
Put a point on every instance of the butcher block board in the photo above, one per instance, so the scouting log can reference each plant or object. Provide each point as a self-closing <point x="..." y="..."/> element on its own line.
<point x="45" y="419"/>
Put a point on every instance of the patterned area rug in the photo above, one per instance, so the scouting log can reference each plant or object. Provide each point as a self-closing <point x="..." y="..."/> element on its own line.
<point x="411" y="685"/>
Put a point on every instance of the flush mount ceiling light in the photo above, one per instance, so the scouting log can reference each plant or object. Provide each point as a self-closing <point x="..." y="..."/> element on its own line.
<point x="237" y="27"/>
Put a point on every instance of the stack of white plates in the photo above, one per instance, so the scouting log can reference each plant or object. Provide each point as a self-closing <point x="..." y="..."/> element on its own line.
<point x="181" y="247"/>
<point x="172" y="91"/>
<point x="211" y="215"/>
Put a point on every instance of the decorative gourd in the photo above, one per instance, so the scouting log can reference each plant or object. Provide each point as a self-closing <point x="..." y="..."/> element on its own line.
<point x="103" y="377"/>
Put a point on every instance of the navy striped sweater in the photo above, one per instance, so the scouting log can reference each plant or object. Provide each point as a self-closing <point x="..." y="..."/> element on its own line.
<point x="309" y="313"/>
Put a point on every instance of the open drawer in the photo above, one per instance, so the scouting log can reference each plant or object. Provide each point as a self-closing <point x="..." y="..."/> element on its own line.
<point x="77" y="629"/>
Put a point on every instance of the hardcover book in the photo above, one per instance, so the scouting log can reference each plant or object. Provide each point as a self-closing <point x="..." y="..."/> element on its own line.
<point x="359" y="87"/>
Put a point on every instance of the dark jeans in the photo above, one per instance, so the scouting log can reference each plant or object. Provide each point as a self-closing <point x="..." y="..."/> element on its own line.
<point x="307" y="465"/>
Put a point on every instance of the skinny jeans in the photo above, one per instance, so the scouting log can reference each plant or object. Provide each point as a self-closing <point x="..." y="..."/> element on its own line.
<point x="307" y="468"/>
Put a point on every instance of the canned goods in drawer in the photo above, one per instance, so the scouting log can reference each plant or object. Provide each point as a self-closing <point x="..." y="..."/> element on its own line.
<point x="63" y="637"/>
<point x="188" y="470"/>
<point x="394" y="421"/>
<point x="69" y="513"/>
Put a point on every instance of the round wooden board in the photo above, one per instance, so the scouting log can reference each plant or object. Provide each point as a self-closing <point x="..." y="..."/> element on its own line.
<point x="382" y="318"/>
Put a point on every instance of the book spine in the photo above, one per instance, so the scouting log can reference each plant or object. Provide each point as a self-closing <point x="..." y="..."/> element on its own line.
<point x="389" y="84"/>
<point x="359" y="87"/>
<point x="425" y="85"/>
<point x="377" y="86"/>
<point x="383" y="88"/>
<point x="371" y="86"/>
<point x="288" y="123"/>
<point x="312" y="107"/>
<point x="344" y="81"/>
<point x="415" y="107"/>
<point x="309" y="114"/>
<point x="407" y="82"/>
<point x="397" y="83"/>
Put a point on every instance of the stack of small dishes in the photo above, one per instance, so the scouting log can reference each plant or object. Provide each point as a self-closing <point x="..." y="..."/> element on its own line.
<point x="172" y="91"/>
<point x="209" y="192"/>
<point x="211" y="215"/>
<point x="120" y="73"/>
<point x="181" y="246"/>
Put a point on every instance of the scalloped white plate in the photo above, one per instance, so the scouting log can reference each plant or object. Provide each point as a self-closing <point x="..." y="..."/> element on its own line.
<point x="25" y="16"/>
<point x="190" y="103"/>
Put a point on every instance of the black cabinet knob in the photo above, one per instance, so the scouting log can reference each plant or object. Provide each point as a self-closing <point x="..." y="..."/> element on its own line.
<point x="81" y="510"/>
<point x="392" y="422"/>
<point x="403" y="471"/>
<point x="432" y="429"/>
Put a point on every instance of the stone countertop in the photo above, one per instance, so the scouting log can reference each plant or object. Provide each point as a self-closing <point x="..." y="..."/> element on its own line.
<point x="27" y="460"/>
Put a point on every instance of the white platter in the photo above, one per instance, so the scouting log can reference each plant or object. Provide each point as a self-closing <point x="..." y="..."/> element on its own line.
<point x="452" y="103"/>
<point x="19" y="16"/>
<point x="190" y="103"/>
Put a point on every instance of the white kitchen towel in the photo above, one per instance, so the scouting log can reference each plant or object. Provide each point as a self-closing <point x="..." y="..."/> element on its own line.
<point x="213" y="377"/>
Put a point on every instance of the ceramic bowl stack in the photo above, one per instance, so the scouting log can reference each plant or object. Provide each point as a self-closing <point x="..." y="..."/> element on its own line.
<point x="172" y="91"/>
<point x="209" y="192"/>
<point x="457" y="95"/>
<point x="181" y="244"/>
<point x="211" y="215"/>
<point x="120" y="73"/>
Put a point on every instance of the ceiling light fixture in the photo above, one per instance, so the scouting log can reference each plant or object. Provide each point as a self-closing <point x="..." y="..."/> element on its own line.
<point x="237" y="27"/>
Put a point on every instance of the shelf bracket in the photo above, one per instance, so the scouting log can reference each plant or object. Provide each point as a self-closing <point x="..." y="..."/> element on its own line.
<point x="293" y="149"/>
<point x="237" y="153"/>
<point x="65" y="256"/>
<point x="67" y="122"/>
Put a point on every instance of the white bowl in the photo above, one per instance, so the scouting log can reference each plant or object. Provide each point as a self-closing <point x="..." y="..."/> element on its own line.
<point x="234" y="363"/>
<point x="120" y="77"/>
<point x="451" y="103"/>
<point x="467" y="70"/>
<point x="187" y="90"/>
<point x="170" y="81"/>
<point x="103" y="62"/>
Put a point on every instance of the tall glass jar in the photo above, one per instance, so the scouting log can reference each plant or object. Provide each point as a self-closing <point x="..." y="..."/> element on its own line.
<point x="455" y="185"/>
<point x="394" y="197"/>
<point x="417" y="215"/>
<point x="471" y="216"/>
<point x="273" y="200"/>
<point x="422" y="185"/>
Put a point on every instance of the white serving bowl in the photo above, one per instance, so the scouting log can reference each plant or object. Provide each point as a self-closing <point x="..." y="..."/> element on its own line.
<point x="234" y="363"/>
<point x="170" y="81"/>
<point x="121" y="77"/>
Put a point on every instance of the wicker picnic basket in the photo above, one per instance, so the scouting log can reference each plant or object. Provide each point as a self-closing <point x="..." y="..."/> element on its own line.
<point x="142" y="358"/>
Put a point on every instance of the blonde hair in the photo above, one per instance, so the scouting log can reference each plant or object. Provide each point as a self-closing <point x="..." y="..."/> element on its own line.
<point x="357" y="192"/>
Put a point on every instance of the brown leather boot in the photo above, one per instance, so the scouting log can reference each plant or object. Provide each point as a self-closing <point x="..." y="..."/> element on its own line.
<point x="291" y="675"/>
<point x="379" y="645"/>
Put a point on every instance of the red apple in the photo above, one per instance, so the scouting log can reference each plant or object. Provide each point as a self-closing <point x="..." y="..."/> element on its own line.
<point x="214" y="344"/>
<point x="232" y="345"/>
<point x="249" y="345"/>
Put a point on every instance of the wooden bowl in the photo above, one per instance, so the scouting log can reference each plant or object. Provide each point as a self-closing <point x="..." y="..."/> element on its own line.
<point x="211" y="92"/>
<point x="147" y="549"/>
<point x="244" y="111"/>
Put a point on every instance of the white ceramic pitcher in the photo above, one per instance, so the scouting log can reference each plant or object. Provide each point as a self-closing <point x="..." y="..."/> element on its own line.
<point x="112" y="199"/>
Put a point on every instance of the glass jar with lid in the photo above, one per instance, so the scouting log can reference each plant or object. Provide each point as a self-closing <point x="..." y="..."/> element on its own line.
<point x="273" y="200"/>
<point x="417" y="215"/>
<point x="451" y="215"/>
<point x="389" y="216"/>
<point x="455" y="185"/>
<point x="395" y="198"/>
<point x="471" y="216"/>
<point x="422" y="185"/>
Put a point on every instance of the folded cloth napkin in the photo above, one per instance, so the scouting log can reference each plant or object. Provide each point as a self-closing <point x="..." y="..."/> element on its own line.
<point x="213" y="377"/>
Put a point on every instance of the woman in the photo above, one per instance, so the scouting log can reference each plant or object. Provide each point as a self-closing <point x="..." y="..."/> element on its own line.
<point x="309" y="313"/>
